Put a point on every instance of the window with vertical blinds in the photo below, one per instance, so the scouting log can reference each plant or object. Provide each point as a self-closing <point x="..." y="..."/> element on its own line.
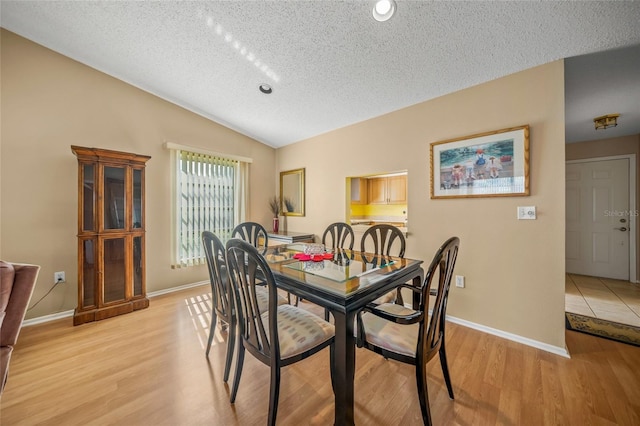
<point x="207" y="200"/>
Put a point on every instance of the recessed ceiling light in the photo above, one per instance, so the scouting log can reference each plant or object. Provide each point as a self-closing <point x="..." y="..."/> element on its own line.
<point x="266" y="89"/>
<point x="383" y="10"/>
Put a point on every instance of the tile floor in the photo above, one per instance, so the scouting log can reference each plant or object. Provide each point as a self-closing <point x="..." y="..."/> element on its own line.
<point x="613" y="300"/>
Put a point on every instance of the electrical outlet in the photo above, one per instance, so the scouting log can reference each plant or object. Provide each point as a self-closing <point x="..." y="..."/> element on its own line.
<point x="58" y="277"/>
<point x="460" y="281"/>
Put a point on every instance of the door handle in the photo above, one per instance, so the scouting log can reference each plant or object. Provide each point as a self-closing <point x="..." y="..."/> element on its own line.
<point x="623" y="229"/>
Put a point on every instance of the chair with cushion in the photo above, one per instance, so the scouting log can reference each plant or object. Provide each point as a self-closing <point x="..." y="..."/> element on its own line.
<point x="409" y="336"/>
<point x="222" y="308"/>
<point x="385" y="240"/>
<point x="221" y="295"/>
<point x="17" y="282"/>
<point x="254" y="234"/>
<point x="338" y="235"/>
<point x="277" y="336"/>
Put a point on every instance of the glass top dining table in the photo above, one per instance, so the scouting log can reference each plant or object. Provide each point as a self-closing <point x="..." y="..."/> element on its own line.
<point x="342" y="282"/>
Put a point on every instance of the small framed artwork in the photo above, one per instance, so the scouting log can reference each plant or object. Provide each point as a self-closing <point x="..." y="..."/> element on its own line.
<point x="491" y="164"/>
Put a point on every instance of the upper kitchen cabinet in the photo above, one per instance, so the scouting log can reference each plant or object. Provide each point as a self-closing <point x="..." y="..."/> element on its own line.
<point x="388" y="190"/>
<point x="359" y="190"/>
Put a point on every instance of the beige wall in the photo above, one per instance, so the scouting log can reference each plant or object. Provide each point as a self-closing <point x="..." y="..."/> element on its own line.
<point x="606" y="148"/>
<point x="514" y="269"/>
<point x="49" y="103"/>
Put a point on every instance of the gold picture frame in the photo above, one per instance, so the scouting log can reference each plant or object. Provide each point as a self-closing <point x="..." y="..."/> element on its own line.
<point x="491" y="164"/>
<point x="292" y="192"/>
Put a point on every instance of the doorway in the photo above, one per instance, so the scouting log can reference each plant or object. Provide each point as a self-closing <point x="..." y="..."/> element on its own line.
<point x="601" y="238"/>
<point x="600" y="217"/>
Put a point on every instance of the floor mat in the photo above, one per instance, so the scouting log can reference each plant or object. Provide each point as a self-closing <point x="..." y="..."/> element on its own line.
<point x="602" y="328"/>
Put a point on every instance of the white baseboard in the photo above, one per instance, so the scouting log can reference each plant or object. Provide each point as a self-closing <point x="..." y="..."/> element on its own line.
<point x="174" y="289"/>
<point x="47" y="318"/>
<point x="513" y="337"/>
<point x="67" y="314"/>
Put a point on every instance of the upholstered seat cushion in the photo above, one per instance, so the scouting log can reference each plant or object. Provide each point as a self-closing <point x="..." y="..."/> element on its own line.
<point x="299" y="330"/>
<point x="398" y="338"/>
<point x="262" y="295"/>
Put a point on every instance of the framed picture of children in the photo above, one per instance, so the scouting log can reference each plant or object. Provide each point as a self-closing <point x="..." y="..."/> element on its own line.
<point x="491" y="164"/>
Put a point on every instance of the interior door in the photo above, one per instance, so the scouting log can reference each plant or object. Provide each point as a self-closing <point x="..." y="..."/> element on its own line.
<point x="598" y="218"/>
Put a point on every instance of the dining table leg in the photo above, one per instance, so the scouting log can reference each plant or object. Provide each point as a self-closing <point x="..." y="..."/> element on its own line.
<point x="344" y="368"/>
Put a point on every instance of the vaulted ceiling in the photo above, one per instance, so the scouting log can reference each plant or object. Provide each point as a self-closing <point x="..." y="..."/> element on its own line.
<point x="329" y="63"/>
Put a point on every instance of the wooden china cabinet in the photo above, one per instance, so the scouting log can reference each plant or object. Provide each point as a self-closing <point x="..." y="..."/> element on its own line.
<point x="111" y="234"/>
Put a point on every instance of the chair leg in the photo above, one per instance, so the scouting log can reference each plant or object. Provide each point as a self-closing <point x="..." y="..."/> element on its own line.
<point x="236" y="376"/>
<point x="212" y="331"/>
<point x="231" y="343"/>
<point x="332" y="358"/>
<point x="274" y="394"/>
<point x="445" y="369"/>
<point x="423" y="394"/>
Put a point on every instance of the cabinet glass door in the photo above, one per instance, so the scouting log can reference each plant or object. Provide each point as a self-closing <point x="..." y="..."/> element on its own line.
<point x="137" y="266"/>
<point x="114" y="269"/>
<point x="88" y="258"/>
<point x="88" y="197"/>
<point x="137" y="198"/>
<point x="114" y="198"/>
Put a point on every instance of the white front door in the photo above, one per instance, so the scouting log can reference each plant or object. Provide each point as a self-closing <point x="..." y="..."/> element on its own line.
<point x="598" y="218"/>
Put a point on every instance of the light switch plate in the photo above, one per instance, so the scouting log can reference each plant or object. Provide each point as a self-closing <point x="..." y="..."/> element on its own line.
<point x="528" y="212"/>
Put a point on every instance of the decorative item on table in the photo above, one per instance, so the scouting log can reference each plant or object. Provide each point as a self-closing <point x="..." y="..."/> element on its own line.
<point x="313" y="252"/>
<point x="274" y="206"/>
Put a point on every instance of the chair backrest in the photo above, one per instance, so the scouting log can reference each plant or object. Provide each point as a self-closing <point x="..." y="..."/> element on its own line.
<point x="220" y="288"/>
<point x="338" y="235"/>
<point x="247" y="268"/>
<point x="253" y="233"/>
<point x="442" y="266"/>
<point x="383" y="238"/>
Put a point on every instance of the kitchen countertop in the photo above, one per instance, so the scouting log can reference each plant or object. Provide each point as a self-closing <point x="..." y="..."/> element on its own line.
<point x="363" y="226"/>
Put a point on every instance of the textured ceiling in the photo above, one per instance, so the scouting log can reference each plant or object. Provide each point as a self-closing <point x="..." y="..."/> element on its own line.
<point x="329" y="63"/>
<point x="598" y="84"/>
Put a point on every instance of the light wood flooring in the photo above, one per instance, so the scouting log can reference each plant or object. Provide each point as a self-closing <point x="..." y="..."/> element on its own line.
<point x="149" y="368"/>
<point x="612" y="300"/>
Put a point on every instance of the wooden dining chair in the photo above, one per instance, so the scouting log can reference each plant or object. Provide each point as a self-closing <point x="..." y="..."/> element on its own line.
<point x="277" y="336"/>
<point x="254" y="234"/>
<point x="338" y="235"/>
<point x="222" y="301"/>
<point x="222" y="304"/>
<point x="385" y="240"/>
<point x="410" y="336"/>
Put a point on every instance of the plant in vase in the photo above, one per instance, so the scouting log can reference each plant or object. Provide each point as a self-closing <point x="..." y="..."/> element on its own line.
<point x="274" y="206"/>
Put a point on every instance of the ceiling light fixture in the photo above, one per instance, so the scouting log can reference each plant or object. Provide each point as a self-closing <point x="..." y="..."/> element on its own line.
<point x="606" y="121"/>
<point x="266" y="89"/>
<point x="383" y="10"/>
